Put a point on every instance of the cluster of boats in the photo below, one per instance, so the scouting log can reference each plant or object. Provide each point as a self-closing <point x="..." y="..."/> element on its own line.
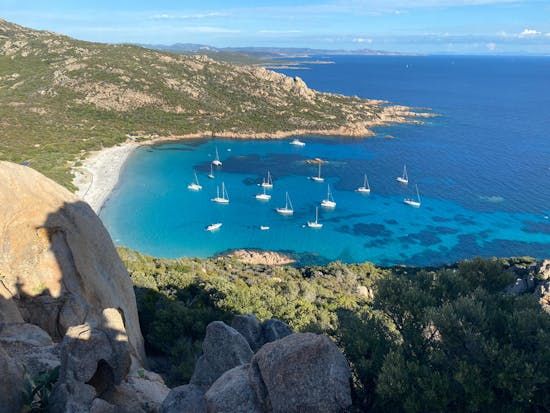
<point x="222" y="197"/>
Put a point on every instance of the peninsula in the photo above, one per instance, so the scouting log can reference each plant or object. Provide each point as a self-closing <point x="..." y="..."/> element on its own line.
<point x="63" y="99"/>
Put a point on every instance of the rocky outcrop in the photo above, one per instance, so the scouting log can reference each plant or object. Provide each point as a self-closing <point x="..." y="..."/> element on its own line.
<point x="223" y="348"/>
<point x="66" y="301"/>
<point x="294" y="373"/>
<point x="58" y="264"/>
<point x="301" y="372"/>
<point x="256" y="257"/>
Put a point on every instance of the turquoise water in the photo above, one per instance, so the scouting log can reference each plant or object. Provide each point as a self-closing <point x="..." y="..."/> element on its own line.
<point x="483" y="170"/>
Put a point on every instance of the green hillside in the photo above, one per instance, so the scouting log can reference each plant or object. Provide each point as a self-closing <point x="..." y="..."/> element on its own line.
<point x="61" y="97"/>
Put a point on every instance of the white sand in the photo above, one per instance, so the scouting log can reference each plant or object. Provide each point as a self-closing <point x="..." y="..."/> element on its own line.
<point x="100" y="172"/>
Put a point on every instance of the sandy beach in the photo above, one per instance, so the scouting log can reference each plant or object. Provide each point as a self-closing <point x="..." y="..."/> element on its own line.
<point x="100" y="172"/>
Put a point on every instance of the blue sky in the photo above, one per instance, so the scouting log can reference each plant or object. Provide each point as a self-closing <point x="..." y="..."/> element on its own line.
<point x="422" y="26"/>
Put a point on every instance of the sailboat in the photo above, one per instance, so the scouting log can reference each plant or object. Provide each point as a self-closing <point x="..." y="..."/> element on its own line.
<point x="365" y="189"/>
<point x="217" y="161"/>
<point x="224" y="199"/>
<point x="267" y="183"/>
<point x="213" y="227"/>
<point x="403" y="179"/>
<point x="194" y="186"/>
<point x="318" y="178"/>
<point x="263" y="197"/>
<point x="414" y="202"/>
<point x="315" y="224"/>
<point x="288" y="209"/>
<point x="329" y="201"/>
<point x="211" y="174"/>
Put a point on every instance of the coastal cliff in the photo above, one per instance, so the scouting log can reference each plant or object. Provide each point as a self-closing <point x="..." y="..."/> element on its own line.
<point x="62" y="98"/>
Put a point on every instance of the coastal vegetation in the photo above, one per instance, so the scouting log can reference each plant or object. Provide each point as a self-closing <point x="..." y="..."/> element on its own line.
<point x="431" y="339"/>
<point x="62" y="98"/>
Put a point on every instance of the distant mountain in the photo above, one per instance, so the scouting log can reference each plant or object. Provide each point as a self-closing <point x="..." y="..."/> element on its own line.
<point x="267" y="52"/>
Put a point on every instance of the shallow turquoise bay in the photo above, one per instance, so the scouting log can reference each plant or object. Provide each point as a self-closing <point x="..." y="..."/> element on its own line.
<point x="484" y="190"/>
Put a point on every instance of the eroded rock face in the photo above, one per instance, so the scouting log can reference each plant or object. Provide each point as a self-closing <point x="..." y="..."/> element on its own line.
<point x="303" y="372"/>
<point x="223" y="348"/>
<point x="57" y="261"/>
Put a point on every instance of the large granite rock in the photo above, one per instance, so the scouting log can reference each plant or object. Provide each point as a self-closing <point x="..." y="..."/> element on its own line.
<point x="232" y="393"/>
<point x="184" y="399"/>
<point x="250" y="328"/>
<point x="24" y="333"/>
<point x="301" y="373"/>
<point x="57" y="261"/>
<point x="11" y="384"/>
<point x="223" y="348"/>
<point x="273" y="329"/>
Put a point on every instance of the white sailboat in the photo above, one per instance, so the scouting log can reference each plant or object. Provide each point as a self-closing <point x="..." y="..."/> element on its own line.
<point x="211" y="174"/>
<point x="264" y="228"/>
<point x="213" y="227"/>
<point x="268" y="183"/>
<point x="365" y="189"/>
<point x="329" y="201"/>
<point x="414" y="202"/>
<point x="315" y="224"/>
<point x="288" y="209"/>
<point x="403" y="179"/>
<point x="297" y="142"/>
<point x="318" y="178"/>
<point x="194" y="186"/>
<point x="217" y="161"/>
<point x="224" y="199"/>
<point x="264" y="196"/>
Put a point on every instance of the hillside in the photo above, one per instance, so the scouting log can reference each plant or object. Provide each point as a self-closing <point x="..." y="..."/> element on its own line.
<point x="62" y="97"/>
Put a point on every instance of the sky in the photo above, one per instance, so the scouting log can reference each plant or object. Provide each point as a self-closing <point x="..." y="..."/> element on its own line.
<point x="414" y="26"/>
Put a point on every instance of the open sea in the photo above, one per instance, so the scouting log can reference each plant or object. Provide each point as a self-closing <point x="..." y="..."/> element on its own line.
<point x="482" y="169"/>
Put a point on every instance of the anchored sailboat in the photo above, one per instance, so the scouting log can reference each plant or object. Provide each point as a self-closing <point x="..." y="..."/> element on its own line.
<point x="329" y="201"/>
<point x="217" y="161"/>
<point x="195" y="186"/>
<point x="211" y="174"/>
<point x="288" y="209"/>
<point x="414" y="202"/>
<point x="315" y="224"/>
<point x="267" y="183"/>
<point x="318" y="178"/>
<point x="264" y="196"/>
<point x="365" y="189"/>
<point x="403" y="179"/>
<point x="224" y="199"/>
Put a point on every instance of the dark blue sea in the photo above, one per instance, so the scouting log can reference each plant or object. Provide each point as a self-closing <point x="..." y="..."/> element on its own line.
<point x="482" y="168"/>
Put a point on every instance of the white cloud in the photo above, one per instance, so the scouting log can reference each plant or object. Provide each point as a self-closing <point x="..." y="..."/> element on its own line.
<point x="279" y="31"/>
<point x="491" y="46"/>
<point x="529" y="33"/>
<point x="167" y="16"/>
<point x="361" y="40"/>
<point x="208" y="29"/>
